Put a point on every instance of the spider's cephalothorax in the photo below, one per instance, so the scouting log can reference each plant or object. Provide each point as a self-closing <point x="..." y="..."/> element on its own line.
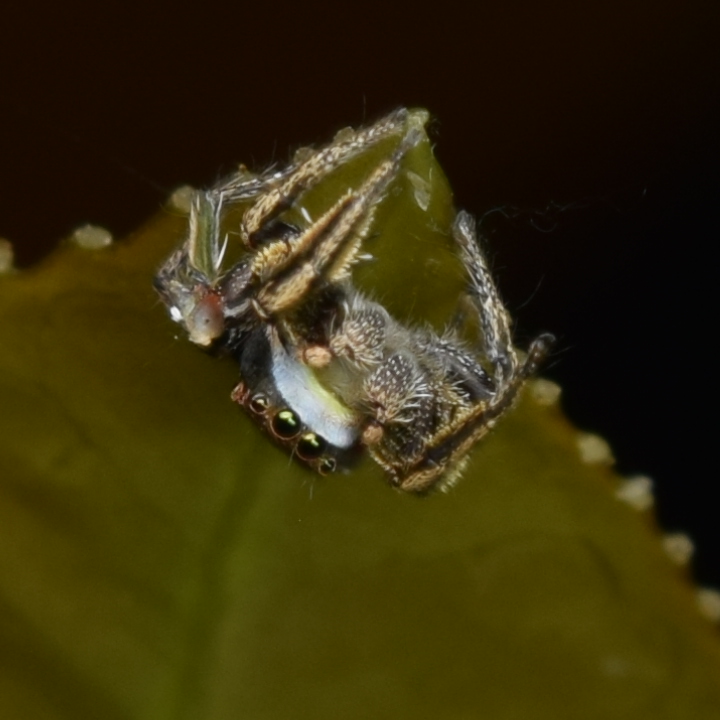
<point x="325" y="370"/>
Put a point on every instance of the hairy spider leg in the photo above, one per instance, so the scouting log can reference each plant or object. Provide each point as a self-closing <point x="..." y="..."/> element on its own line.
<point x="287" y="270"/>
<point x="315" y="169"/>
<point x="484" y="298"/>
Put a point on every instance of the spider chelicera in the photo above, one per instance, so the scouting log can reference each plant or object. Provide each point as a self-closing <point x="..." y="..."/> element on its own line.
<point x="325" y="370"/>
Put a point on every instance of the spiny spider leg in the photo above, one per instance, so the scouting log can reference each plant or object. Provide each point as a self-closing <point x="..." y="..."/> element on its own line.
<point x="329" y="247"/>
<point x="485" y="300"/>
<point x="314" y="170"/>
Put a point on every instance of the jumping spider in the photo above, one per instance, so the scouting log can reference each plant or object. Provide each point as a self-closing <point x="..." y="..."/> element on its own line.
<point x="325" y="370"/>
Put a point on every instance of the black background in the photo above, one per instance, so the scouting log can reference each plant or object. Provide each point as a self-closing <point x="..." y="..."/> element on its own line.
<point x="584" y="133"/>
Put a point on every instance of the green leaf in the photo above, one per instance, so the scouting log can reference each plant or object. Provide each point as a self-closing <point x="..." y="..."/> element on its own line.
<point x="159" y="558"/>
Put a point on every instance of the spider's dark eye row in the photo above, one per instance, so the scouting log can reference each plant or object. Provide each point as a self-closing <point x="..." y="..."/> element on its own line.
<point x="286" y="425"/>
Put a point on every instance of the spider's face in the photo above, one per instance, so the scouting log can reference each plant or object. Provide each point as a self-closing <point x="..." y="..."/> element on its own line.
<point x="285" y="397"/>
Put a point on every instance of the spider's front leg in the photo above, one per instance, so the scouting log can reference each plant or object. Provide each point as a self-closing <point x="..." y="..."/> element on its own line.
<point x="287" y="273"/>
<point x="313" y="169"/>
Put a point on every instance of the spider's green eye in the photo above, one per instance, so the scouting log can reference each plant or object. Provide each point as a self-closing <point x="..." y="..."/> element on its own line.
<point x="259" y="404"/>
<point x="311" y="446"/>
<point x="286" y="424"/>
